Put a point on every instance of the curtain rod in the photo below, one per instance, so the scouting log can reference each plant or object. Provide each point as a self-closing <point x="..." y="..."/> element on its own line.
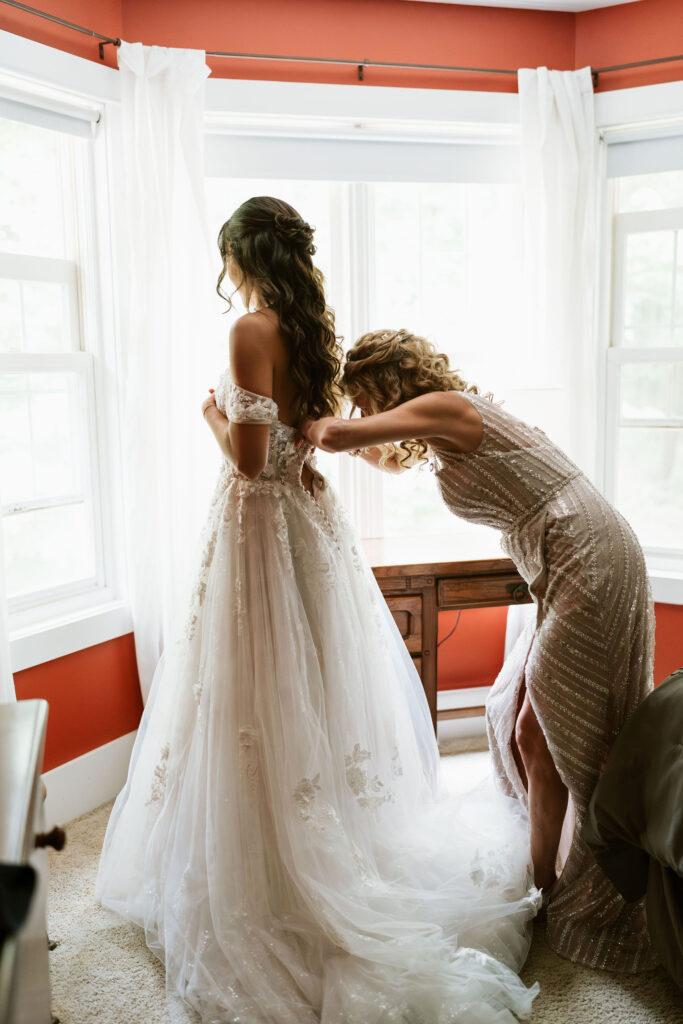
<point x="360" y="64"/>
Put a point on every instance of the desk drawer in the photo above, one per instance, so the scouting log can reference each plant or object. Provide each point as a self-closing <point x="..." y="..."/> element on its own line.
<point x="407" y="613"/>
<point x="480" y="591"/>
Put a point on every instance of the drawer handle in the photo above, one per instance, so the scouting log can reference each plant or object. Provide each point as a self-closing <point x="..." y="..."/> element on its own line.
<point x="56" y="838"/>
<point x="520" y="592"/>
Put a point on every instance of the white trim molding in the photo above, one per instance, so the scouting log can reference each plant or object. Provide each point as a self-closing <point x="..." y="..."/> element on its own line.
<point x="34" y="645"/>
<point x="87" y="782"/>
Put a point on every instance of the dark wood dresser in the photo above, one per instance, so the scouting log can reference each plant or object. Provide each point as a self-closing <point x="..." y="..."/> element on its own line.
<point x="420" y="577"/>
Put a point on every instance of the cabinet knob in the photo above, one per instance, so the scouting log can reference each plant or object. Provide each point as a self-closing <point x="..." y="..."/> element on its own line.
<point x="520" y="592"/>
<point x="55" y="838"/>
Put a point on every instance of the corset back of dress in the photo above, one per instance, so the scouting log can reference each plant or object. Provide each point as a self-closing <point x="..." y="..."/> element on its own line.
<point x="515" y="470"/>
<point x="285" y="459"/>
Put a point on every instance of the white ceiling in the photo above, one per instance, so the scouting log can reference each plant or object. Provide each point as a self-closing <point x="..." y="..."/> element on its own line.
<point x="540" y="5"/>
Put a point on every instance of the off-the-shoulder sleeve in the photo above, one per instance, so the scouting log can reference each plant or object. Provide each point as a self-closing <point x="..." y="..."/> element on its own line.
<point x="246" y="407"/>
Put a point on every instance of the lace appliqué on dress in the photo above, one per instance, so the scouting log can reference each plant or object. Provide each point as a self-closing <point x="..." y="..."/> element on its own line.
<point x="249" y="767"/>
<point x="160" y="775"/>
<point x="369" y="792"/>
<point x="247" y="407"/>
<point x="304" y="795"/>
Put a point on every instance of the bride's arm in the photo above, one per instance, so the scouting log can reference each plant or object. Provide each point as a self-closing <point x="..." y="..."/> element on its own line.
<point x="251" y="368"/>
<point x="441" y="416"/>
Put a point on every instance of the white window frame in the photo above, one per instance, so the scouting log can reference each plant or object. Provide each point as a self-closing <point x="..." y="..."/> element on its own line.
<point x="79" y="617"/>
<point x="667" y="562"/>
<point x="640" y="131"/>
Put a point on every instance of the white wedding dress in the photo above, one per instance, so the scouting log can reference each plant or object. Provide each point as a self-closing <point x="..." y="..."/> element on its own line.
<point x="281" y="837"/>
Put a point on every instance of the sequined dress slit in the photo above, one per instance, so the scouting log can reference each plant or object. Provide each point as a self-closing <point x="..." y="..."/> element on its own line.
<point x="281" y="837"/>
<point x="586" y="660"/>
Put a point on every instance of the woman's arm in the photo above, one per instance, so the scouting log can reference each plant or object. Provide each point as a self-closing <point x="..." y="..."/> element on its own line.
<point x="251" y="368"/>
<point x="443" y="416"/>
<point x="377" y="456"/>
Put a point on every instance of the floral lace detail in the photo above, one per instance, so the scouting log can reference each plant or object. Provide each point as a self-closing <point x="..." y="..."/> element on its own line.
<point x="396" y="766"/>
<point x="319" y="573"/>
<point x="487" y="869"/>
<point x="304" y="795"/>
<point x="249" y="765"/>
<point x="369" y="792"/>
<point x="247" y="407"/>
<point x="160" y="775"/>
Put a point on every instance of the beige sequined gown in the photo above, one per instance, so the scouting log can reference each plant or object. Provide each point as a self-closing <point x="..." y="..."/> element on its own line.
<point x="587" y="659"/>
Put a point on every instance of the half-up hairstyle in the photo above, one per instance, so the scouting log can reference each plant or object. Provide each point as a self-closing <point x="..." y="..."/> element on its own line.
<point x="273" y="248"/>
<point x="391" y="367"/>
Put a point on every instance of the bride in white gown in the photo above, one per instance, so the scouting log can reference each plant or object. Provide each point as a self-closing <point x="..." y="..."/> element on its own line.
<point x="281" y="837"/>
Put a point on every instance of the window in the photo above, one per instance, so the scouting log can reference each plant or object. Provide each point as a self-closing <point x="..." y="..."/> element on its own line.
<point x="440" y="259"/>
<point x="644" y="451"/>
<point x="49" y="485"/>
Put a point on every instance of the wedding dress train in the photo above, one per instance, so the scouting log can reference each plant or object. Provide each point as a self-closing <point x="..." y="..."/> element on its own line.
<point x="281" y="837"/>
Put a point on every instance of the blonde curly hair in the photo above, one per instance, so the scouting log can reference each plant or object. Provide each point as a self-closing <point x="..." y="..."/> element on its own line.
<point x="391" y="367"/>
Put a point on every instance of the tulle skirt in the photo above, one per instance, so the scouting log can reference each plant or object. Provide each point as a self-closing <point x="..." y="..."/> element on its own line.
<point x="281" y="837"/>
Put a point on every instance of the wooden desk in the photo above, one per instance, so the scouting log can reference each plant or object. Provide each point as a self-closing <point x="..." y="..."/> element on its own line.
<point x="420" y="577"/>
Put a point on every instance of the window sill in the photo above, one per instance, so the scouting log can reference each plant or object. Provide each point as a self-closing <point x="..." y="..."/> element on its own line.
<point x="36" y="644"/>
<point x="667" y="587"/>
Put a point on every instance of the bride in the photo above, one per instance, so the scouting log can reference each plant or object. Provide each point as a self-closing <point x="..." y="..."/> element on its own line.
<point x="281" y="836"/>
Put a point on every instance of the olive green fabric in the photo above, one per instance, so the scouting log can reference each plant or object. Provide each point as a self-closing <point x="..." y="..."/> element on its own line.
<point x="634" y="824"/>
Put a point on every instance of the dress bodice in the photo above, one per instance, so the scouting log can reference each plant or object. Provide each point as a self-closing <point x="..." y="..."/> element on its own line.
<point x="285" y="459"/>
<point x="515" y="470"/>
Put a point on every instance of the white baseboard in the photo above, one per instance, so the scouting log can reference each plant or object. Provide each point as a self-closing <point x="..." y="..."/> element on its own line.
<point x="88" y="781"/>
<point x="465" y="697"/>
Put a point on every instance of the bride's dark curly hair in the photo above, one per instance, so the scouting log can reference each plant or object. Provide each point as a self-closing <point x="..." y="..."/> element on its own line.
<point x="273" y="248"/>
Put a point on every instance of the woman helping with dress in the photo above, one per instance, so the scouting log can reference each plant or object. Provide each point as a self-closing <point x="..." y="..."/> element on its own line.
<point x="281" y="836"/>
<point x="569" y="685"/>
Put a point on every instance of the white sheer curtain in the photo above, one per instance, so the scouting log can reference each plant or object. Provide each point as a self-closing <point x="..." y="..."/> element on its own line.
<point x="7" y="692"/>
<point x="559" y="188"/>
<point x="168" y="272"/>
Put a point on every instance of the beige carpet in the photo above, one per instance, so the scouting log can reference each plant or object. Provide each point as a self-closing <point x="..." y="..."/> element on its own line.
<point x="103" y="973"/>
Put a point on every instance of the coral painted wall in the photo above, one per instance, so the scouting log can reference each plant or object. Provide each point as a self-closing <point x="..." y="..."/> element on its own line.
<point x="631" y="32"/>
<point x="389" y="30"/>
<point x="93" y="697"/>
<point x="473" y="654"/>
<point x="668" y="640"/>
<point x="385" y="30"/>
<point x="103" y="17"/>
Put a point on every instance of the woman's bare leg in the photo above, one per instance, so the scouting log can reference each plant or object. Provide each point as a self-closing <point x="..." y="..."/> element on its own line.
<point x="548" y="795"/>
<point x="517" y="757"/>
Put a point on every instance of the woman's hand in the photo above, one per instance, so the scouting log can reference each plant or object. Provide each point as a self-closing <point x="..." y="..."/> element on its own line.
<point x="314" y="431"/>
<point x="208" y="402"/>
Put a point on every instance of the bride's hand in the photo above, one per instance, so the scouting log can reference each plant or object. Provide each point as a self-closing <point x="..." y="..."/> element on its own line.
<point x="209" y="401"/>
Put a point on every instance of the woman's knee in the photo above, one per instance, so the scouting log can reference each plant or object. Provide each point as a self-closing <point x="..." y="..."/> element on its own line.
<point x="529" y="735"/>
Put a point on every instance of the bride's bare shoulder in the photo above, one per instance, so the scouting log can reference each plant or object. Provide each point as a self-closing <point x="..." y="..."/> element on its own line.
<point x="253" y="344"/>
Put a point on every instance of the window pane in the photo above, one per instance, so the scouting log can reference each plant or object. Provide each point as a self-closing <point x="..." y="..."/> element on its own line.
<point x="652" y="390"/>
<point x="649" y="291"/>
<point x="46" y="317"/>
<point x="442" y="251"/>
<point x="412" y="506"/>
<point x="660" y="191"/>
<point x="11" y="334"/>
<point x="650" y="483"/>
<point x="34" y="317"/>
<point x="47" y="548"/>
<point x="43" y="432"/>
<point x="32" y="171"/>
